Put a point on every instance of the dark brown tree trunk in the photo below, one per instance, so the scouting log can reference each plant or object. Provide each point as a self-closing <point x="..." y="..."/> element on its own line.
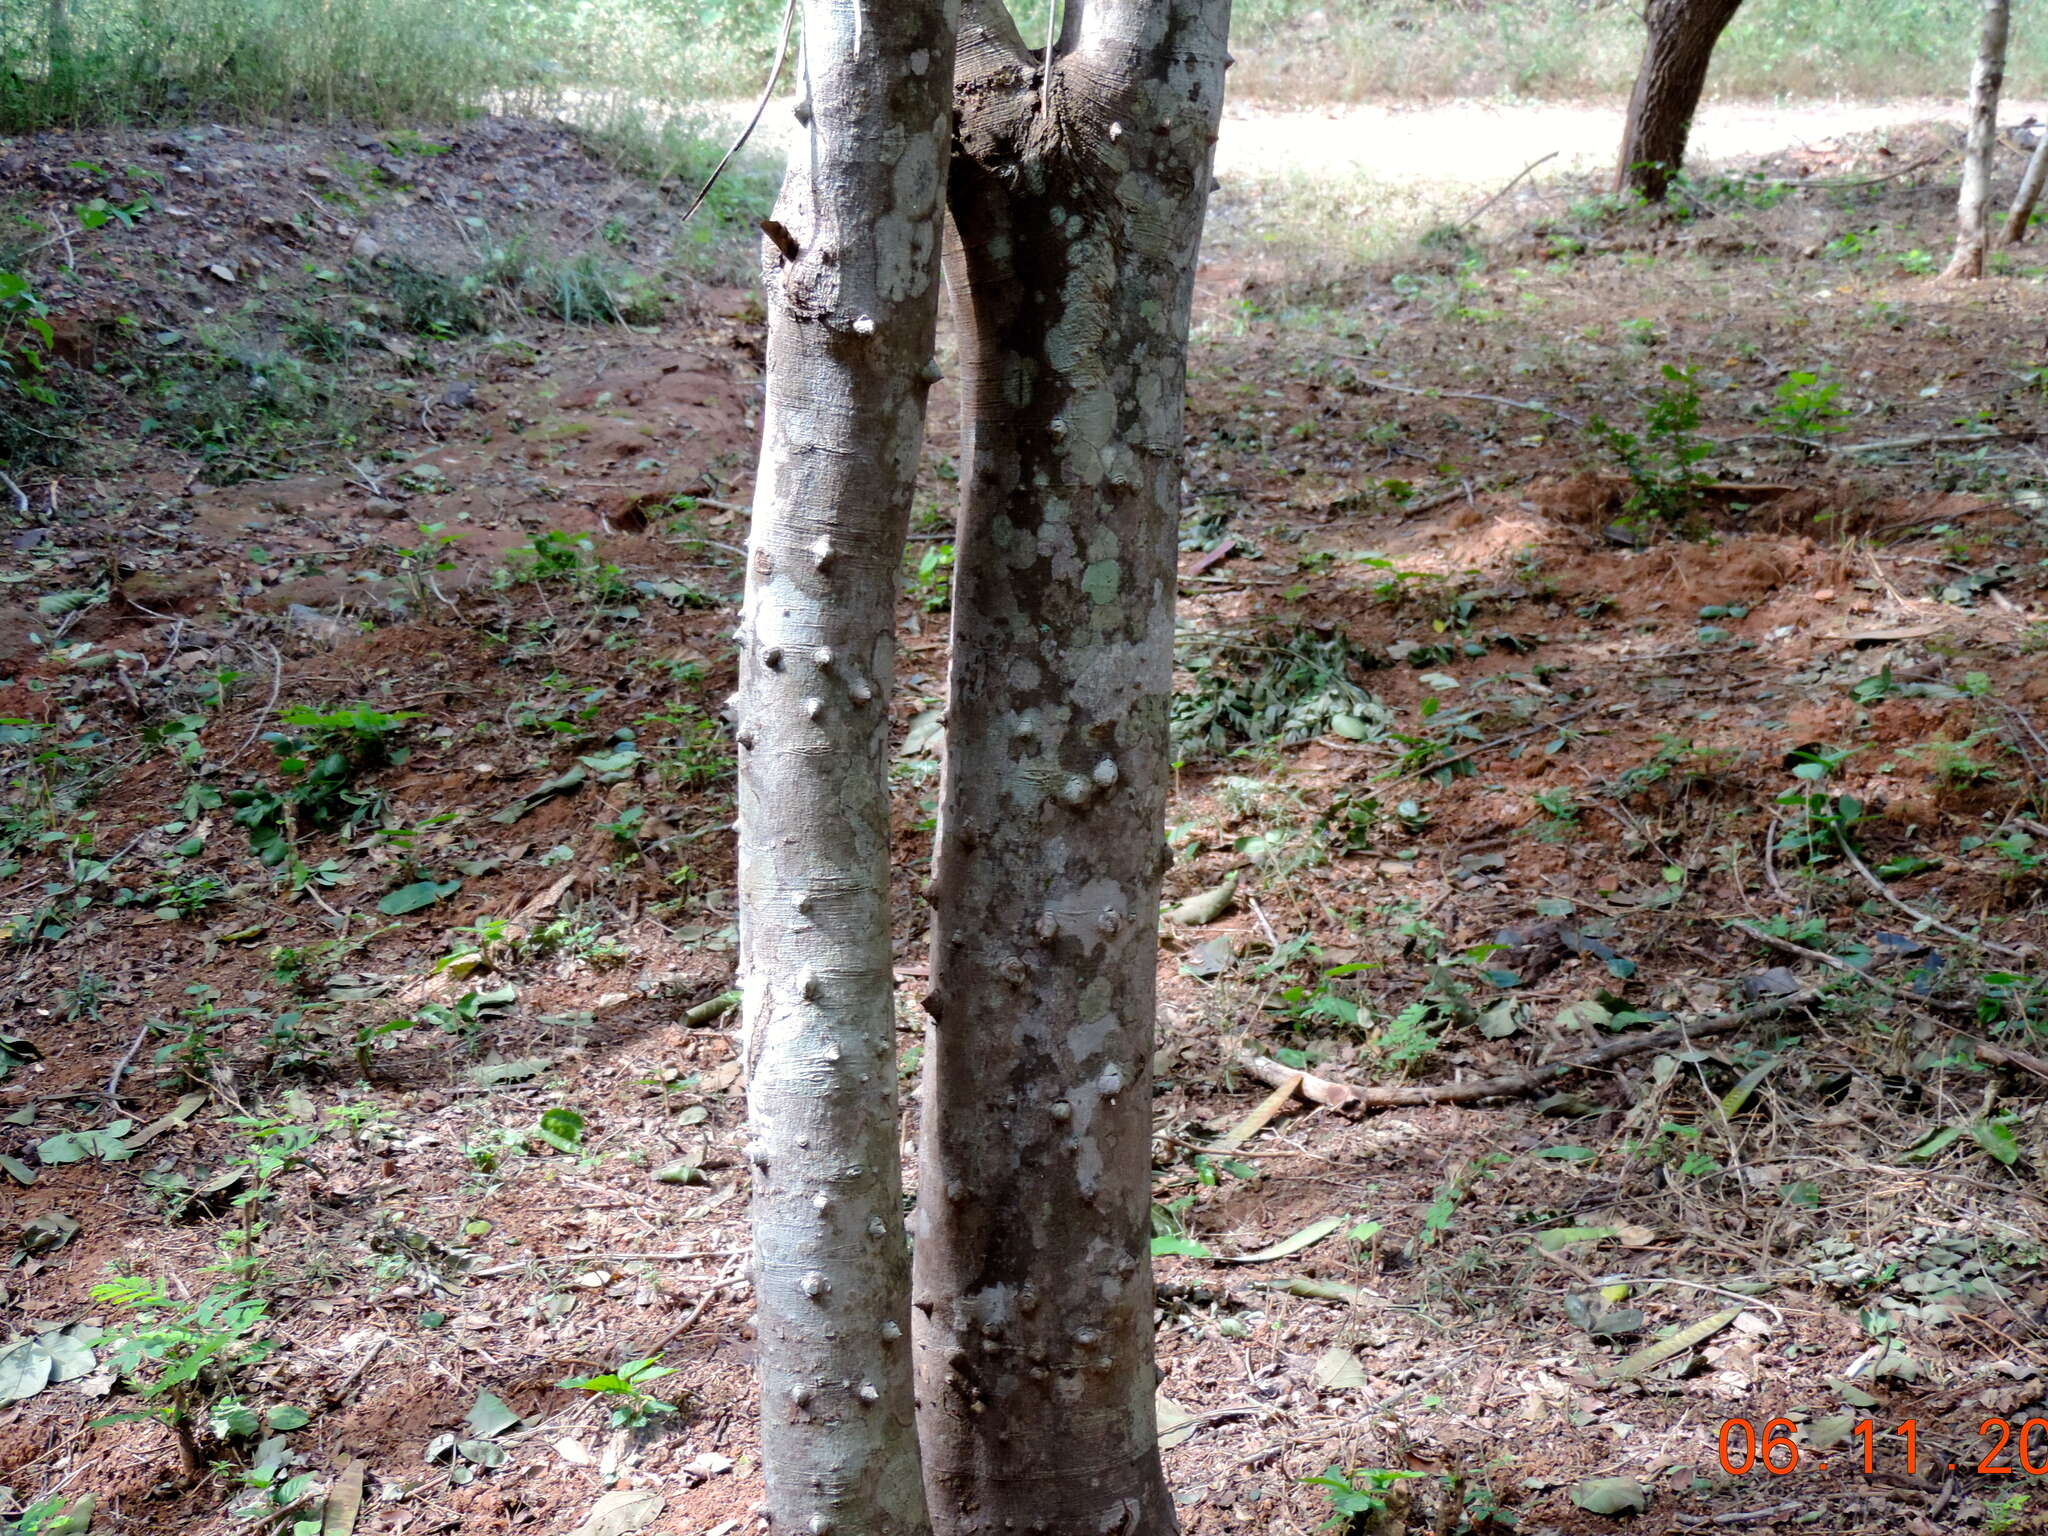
<point x="1080" y="178"/>
<point x="1680" y="46"/>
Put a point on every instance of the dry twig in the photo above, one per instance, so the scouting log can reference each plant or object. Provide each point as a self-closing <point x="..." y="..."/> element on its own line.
<point x="1454" y="394"/>
<point x="1488" y="745"/>
<point x="1323" y="1090"/>
<point x="1519" y="177"/>
<point x="1920" y="918"/>
<point x="121" y="1067"/>
<point x="1836" y="962"/>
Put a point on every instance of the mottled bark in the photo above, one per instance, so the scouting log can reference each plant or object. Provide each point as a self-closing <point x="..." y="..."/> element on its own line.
<point x="1987" y="79"/>
<point x="1669" y="82"/>
<point x="851" y="273"/>
<point x="1078" y="188"/>
<point x="2029" y="193"/>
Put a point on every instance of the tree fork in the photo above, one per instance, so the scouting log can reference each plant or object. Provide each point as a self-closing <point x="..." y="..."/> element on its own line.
<point x="1079" y="181"/>
<point x="851" y="277"/>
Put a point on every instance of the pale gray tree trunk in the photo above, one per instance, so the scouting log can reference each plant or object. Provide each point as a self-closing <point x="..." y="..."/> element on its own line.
<point x="2029" y="193"/>
<point x="1987" y="78"/>
<point x="1079" y="181"/>
<point x="851" y="273"/>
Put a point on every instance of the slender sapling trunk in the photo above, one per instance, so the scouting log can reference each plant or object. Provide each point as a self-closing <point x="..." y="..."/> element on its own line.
<point x="2029" y="193"/>
<point x="851" y="275"/>
<point x="1987" y="78"/>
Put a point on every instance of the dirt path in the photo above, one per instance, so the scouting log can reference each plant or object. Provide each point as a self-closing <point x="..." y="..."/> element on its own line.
<point x="1484" y="142"/>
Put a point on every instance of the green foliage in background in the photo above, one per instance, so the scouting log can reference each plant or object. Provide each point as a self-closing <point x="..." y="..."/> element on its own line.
<point x="371" y="60"/>
<point x="641" y="62"/>
<point x="1303" y="50"/>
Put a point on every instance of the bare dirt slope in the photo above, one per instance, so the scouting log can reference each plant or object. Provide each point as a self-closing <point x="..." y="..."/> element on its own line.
<point x="368" y="895"/>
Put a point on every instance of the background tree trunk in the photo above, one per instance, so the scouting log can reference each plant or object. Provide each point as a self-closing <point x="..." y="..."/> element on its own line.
<point x="2029" y="193"/>
<point x="850" y="268"/>
<point x="1676" y="53"/>
<point x="1986" y="80"/>
<point x="1078" y="191"/>
<point x="63" y="53"/>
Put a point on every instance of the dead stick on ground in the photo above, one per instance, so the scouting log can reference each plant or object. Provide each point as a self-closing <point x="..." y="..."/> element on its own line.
<point x="1904" y="996"/>
<point x="1322" y="1090"/>
<point x="1504" y="191"/>
<point x="1923" y="440"/>
<point x="1453" y="394"/>
<point x="270" y="704"/>
<point x="2005" y="1056"/>
<point x="1488" y="746"/>
<point x="1919" y="917"/>
<point x="704" y="1013"/>
<point x="689" y="1319"/>
<point x="121" y="1067"/>
<point x="346" y="1391"/>
<point x="1817" y="185"/>
<point x="603" y="1258"/>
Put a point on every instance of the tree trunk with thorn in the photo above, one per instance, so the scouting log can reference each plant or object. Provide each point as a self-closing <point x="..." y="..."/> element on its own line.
<point x="1987" y="79"/>
<point x="1669" y="83"/>
<point x="851" y="273"/>
<point x="1080" y="177"/>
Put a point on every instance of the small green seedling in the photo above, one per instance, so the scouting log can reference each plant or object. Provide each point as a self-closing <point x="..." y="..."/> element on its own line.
<point x="632" y="1406"/>
<point x="181" y="1360"/>
<point x="1355" y="1494"/>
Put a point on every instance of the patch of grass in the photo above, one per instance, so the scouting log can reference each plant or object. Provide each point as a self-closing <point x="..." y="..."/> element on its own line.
<point x="372" y="61"/>
<point x="678" y="154"/>
<point x="247" y="408"/>
<point x="1302" y="50"/>
<point x="1309" y="223"/>
<point x="434" y="303"/>
<point x="589" y="289"/>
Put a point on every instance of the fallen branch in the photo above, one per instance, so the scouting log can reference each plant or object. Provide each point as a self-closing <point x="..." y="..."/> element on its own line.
<point x="1919" y="918"/>
<point x="1453" y="394"/>
<point x="121" y="1067"/>
<point x="2006" y="1056"/>
<point x="1336" y="1095"/>
<point x="1924" y="440"/>
<point x="1487" y="746"/>
<point x="720" y="1005"/>
<point x="604" y="1258"/>
<point x="1838" y="963"/>
<point x="1504" y="191"/>
<point x="1828" y="185"/>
